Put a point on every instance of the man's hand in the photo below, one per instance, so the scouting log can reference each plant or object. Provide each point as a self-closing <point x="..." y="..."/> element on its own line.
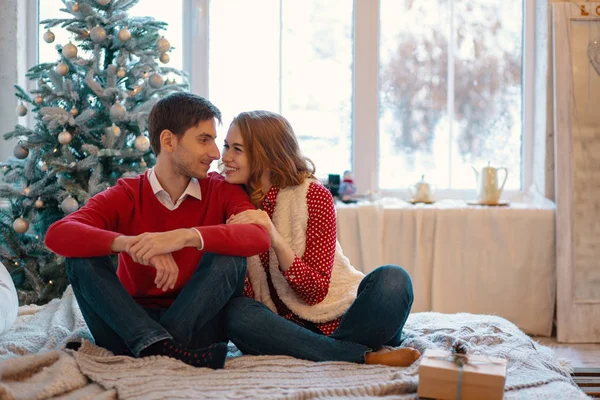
<point x="143" y="247"/>
<point x="166" y="271"/>
<point x="258" y="217"/>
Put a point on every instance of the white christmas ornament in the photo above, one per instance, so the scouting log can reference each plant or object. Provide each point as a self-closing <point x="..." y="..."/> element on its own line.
<point x="20" y="152"/>
<point x="156" y="80"/>
<point x="20" y="225"/>
<point x="141" y="143"/>
<point x="117" y="112"/>
<point x="39" y="203"/>
<point x="62" y="69"/>
<point x="21" y="110"/>
<point x="65" y="137"/>
<point x="103" y="2"/>
<point x="49" y="36"/>
<point x="69" y="205"/>
<point x="121" y="72"/>
<point x="124" y="35"/>
<point x="163" y="45"/>
<point x="164" y="58"/>
<point x="98" y="34"/>
<point x="69" y="51"/>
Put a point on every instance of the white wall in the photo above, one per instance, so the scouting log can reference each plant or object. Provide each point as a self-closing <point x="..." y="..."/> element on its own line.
<point x="15" y="58"/>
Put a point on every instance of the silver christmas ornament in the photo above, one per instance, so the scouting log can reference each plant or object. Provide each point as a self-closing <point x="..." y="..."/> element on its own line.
<point x="39" y="203"/>
<point x="69" y="205"/>
<point x="69" y="50"/>
<point x="163" y="45"/>
<point x="121" y="72"/>
<point x="65" y="137"/>
<point x="97" y="34"/>
<point x="164" y="58"/>
<point x="20" y="225"/>
<point x="21" y="110"/>
<point x="74" y="111"/>
<point x="141" y="143"/>
<point x="20" y="152"/>
<point x="124" y="35"/>
<point x="117" y="112"/>
<point x="49" y="36"/>
<point x="155" y="80"/>
<point x="62" y="68"/>
<point x="38" y="99"/>
<point x="103" y="2"/>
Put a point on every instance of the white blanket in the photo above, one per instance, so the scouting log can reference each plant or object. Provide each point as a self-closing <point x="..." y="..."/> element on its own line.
<point x="533" y="370"/>
<point x="9" y="303"/>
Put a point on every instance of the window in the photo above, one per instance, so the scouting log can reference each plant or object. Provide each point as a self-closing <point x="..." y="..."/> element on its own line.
<point x="450" y="91"/>
<point x="49" y="9"/>
<point x="290" y="57"/>
<point x="445" y="80"/>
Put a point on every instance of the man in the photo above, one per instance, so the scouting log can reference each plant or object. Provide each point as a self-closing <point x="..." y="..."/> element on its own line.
<point x="178" y="263"/>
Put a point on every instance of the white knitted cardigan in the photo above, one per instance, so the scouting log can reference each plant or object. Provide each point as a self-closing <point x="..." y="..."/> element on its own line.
<point x="291" y="219"/>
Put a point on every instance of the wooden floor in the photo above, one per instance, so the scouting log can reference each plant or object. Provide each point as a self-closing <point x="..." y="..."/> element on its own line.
<point x="580" y="355"/>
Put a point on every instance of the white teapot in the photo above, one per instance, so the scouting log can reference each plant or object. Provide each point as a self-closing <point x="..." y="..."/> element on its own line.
<point x="488" y="190"/>
<point x="421" y="192"/>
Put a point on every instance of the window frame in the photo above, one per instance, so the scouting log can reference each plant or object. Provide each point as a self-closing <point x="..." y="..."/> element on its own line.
<point x="365" y="103"/>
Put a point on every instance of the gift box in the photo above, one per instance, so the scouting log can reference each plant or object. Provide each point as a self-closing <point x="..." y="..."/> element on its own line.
<point x="446" y="375"/>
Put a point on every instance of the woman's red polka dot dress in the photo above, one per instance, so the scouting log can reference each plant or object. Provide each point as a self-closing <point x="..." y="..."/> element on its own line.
<point x="309" y="276"/>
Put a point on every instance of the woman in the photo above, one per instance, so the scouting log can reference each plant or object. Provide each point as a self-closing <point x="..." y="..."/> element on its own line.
<point x="302" y="297"/>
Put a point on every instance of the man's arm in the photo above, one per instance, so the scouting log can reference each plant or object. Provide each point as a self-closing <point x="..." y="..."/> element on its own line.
<point x="91" y="231"/>
<point x="234" y="240"/>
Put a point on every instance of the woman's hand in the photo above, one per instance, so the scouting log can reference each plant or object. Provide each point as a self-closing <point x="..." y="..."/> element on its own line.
<point x="258" y="217"/>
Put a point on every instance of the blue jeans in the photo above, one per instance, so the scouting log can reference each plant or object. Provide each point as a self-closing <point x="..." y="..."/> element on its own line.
<point x="195" y="319"/>
<point x="375" y="318"/>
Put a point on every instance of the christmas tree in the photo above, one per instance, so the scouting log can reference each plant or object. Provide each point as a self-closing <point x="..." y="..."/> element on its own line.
<point x="91" y="108"/>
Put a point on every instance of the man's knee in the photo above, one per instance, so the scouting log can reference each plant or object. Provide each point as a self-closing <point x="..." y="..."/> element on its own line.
<point x="226" y="263"/>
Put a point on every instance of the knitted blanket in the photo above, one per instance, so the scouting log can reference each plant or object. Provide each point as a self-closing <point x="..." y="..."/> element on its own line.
<point x="533" y="371"/>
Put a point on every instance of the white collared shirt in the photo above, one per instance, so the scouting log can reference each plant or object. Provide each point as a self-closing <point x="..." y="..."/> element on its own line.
<point x="192" y="189"/>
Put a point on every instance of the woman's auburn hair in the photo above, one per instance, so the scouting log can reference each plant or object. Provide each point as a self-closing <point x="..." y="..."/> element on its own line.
<point x="270" y="143"/>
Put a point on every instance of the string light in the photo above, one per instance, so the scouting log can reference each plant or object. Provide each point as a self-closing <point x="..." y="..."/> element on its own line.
<point x="51" y="282"/>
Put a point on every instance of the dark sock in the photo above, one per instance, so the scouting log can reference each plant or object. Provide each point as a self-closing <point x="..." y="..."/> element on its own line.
<point x="212" y="356"/>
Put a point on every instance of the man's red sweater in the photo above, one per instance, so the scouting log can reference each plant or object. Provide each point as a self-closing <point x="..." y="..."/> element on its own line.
<point x="131" y="208"/>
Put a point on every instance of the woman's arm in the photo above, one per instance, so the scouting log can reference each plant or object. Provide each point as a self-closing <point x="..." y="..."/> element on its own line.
<point x="310" y="275"/>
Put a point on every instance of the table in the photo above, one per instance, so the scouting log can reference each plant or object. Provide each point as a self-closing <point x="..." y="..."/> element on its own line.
<point x="461" y="258"/>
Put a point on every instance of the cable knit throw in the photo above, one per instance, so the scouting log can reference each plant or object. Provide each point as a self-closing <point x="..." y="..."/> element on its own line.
<point x="533" y="370"/>
<point x="291" y="220"/>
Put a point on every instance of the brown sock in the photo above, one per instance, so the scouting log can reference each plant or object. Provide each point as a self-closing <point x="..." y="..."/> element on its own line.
<point x="402" y="357"/>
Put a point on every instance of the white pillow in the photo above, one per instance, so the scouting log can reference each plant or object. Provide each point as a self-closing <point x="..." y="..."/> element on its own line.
<point x="9" y="303"/>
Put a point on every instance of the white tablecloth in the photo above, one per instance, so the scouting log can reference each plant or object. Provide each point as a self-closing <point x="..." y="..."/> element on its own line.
<point x="481" y="260"/>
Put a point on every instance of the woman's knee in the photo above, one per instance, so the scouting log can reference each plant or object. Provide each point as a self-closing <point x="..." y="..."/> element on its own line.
<point x="395" y="280"/>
